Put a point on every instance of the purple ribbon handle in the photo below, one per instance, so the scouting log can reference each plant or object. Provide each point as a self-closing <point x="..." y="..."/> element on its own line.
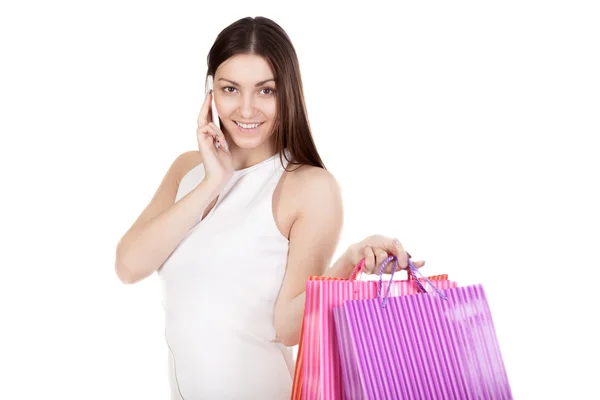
<point x="414" y="271"/>
<point x="383" y="264"/>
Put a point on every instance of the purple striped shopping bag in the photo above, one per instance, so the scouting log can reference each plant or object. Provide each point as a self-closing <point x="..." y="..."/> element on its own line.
<point x="423" y="346"/>
<point x="321" y="368"/>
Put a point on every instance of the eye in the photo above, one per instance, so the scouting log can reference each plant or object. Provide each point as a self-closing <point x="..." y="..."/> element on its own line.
<point x="228" y="89"/>
<point x="269" y="91"/>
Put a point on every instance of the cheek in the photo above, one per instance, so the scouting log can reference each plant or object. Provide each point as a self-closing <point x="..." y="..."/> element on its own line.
<point x="225" y="106"/>
<point x="271" y="111"/>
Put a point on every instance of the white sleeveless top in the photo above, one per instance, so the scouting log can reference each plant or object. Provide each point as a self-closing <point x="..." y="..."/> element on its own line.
<point x="219" y="289"/>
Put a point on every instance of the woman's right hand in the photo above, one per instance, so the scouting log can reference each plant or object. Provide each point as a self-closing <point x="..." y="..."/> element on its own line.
<point x="217" y="160"/>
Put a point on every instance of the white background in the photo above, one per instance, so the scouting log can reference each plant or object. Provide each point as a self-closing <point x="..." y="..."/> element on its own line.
<point x="466" y="129"/>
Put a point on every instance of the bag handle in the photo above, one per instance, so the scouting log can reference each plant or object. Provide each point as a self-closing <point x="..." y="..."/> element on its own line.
<point x="413" y="270"/>
<point x="416" y="272"/>
<point x="383" y="265"/>
<point x="358" y="269"/>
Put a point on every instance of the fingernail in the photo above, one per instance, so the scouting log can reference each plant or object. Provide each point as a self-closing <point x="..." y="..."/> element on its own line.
<point x="396" y="241"/>
<point x="225" y="145"/>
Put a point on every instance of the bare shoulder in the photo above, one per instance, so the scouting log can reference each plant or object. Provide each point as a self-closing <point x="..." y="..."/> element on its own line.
<point x="167" y="190"/>
<point x="184" y="163"/>
<point x="165" y="194"/>
<point x="310" y="177"/>
<point x="314" y="186"/>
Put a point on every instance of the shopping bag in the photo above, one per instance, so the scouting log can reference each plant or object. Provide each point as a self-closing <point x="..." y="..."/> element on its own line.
<point x="439" y="345"/>
<point x="298" y="371"/>
<point x="318" y="371"/>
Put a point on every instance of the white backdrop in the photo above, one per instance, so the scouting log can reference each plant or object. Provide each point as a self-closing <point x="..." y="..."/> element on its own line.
<point x="466" y="129"/>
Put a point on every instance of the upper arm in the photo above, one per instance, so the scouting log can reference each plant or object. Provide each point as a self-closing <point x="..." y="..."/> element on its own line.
<point x="315" y="233"/>
<point x="166" y="192"/>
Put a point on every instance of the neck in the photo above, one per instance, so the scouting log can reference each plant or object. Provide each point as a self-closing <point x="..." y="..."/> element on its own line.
<point x="244" y="158"/>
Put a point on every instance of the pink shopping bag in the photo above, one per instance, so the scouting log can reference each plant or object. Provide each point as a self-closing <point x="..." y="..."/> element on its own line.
<point x="321" y="367"/>
<point x="423" y="346"/>
<point x="299" y="368"/>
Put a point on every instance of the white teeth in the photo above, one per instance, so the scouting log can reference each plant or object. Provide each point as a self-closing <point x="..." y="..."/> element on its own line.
<point x="246" y="126"/>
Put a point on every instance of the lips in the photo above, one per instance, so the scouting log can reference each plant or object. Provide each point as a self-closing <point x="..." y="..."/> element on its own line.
<point x="252" y="125"/>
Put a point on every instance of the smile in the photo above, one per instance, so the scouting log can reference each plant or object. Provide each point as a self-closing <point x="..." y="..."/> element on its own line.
<point x="249" y="126"/>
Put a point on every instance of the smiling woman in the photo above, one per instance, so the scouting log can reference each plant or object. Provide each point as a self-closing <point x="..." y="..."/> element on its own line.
<point x="258" y="78"/>
<point x="234" y="234"/>
<point x="247" y="106"/>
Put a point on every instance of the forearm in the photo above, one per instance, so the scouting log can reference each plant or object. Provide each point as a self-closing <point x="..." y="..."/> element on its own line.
<point x="143" y="250"/>
<point x="291" y="321"/>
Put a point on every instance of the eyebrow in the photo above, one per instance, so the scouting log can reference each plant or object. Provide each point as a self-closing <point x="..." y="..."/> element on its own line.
<point x="257" y="85"/>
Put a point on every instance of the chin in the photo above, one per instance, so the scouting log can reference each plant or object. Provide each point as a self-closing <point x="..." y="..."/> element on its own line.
<point x="244" y="143"/>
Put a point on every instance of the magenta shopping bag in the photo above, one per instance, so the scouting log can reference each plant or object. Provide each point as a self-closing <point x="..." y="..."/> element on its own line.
<point x="438" y="345"/>
<point x="352" y="388"/>
<point x="321" y="368"/>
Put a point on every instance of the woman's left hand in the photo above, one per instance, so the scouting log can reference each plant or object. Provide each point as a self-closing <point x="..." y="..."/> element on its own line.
<point x="376" y="249"/>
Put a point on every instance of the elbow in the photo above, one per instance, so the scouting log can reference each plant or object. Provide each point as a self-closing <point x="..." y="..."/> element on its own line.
<point x="127" y="273"/>
<point x="290" y="341"/>
<point x="123" y="270"/>
<point x="120" y="267"/>
<point x="123" y="273"/>
<point x="126" y="266"/>
<point x="287" y="337"/>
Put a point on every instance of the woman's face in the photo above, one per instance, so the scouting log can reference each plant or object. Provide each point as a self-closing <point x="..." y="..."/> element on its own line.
<point x="244" y="93"/>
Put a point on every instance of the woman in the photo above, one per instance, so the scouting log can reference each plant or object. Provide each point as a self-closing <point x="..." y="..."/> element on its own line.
<point x="236" y="228"/>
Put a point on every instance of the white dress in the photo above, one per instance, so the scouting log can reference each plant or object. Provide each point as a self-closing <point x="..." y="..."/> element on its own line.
<point x="219" y="289"/>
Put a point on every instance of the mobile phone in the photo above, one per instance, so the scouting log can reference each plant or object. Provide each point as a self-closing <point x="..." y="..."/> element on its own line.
<point x="213" y="107"/>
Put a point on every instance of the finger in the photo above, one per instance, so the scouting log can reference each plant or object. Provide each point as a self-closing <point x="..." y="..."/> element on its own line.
<point x="207" y="135"/>
<point x="392" y="246"/>
<point x="369" y="259"/>
<point x="216" y="132"/>
<point x="418" y="264"/>
<point x="219" y="136"/>
<point x="203" y="117"/>
<point x="380" y="256"/>
<point x="216" y="129"/>
<point x="208" y="132"/>
<point x="400" y="253"/>
<point x="393" y="267"/>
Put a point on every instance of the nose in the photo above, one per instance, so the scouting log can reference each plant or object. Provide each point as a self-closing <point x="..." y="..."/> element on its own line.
<point x="247" y="110"/>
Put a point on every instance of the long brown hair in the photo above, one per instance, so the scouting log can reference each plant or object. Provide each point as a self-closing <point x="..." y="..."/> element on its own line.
<point x="264" y="37"/>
